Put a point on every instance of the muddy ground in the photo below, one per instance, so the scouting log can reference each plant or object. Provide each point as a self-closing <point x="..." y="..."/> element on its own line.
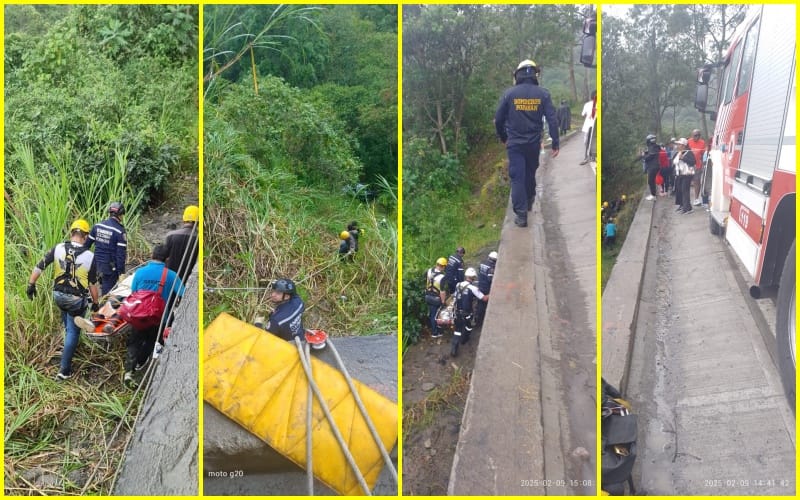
<point x="431" y="376"/>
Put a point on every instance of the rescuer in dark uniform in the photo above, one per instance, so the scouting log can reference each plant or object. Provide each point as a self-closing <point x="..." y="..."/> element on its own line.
<point x="518" y="122"/>
<point x="465" y="293"/>
<point x="110" y="247"/>
<point x="286" y="321"/>
<point x="454" y="272"/>
<point x="485" y="277"/>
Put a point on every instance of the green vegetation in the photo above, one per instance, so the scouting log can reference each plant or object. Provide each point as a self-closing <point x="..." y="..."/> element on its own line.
<point x="100" y="105"/>
<point x="285" y="149"/>
<point x="458" y="59"/>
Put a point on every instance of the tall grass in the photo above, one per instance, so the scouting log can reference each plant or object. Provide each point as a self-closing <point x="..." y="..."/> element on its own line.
<point x="50" y="427"/>
<point x="263" y="223"/>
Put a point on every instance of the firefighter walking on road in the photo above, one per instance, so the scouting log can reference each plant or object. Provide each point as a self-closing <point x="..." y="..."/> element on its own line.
<point x="110" y="247"/>
<point x="518" y="122"/>
<point x="464" y="299"/>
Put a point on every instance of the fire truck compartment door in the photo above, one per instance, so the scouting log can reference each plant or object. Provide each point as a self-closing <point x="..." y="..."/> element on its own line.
<point x="769" y="91"/>
<point x="750" y="198"/>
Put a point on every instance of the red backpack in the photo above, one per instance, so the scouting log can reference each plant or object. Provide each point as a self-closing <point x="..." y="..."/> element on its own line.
<point x="143" y="308"/>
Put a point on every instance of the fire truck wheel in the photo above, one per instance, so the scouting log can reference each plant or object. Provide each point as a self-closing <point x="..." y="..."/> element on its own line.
<point x="785" y="326"/>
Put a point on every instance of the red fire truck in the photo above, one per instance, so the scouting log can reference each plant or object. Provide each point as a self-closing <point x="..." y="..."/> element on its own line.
<point x="752" y="193"/>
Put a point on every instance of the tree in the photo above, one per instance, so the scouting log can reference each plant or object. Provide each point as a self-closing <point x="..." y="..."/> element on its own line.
<point x="442" y="46"/>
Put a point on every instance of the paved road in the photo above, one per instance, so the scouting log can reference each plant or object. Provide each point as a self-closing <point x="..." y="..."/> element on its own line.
<point x="532" y="397"/>
<point x="713" y="419"/>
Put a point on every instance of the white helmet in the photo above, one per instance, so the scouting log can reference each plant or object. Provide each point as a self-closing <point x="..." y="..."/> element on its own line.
<point x="492" y="255"/>
<point x="528" y="68"/>
<point x="470" y="273"/>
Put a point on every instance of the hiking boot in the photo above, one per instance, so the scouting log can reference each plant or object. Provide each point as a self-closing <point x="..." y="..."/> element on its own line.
<point x="63" y="376"/>
<point x="84" y="324"/>
<point x="128" y="380"/>
<point x="520" y="222"/>
<point x="436" y="335"/>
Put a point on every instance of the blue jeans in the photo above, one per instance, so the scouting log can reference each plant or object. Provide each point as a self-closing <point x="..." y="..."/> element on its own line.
<point x="72" y="337"/>
<point x="523" y="160"/>
<point x="432" y="310"/>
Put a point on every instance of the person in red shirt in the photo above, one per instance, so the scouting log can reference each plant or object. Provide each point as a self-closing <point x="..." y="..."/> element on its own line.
<point x="698" y="147"/>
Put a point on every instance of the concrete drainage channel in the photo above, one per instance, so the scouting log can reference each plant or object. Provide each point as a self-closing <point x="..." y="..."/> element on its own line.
<point x="161" y="458"/>
<point x="235" y="462"/>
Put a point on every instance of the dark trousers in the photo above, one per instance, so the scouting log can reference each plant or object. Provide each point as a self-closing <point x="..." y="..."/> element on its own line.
<point x="107" y="282"/>
<point x="685" y="183"/>
<point x="523" y="160"/>
<point x="432" y="312"/>
<point x="460" y="332"/>
<point x="651" y="179"/>
<point x="668" y="181"/>
<point x="140" y="345"/>
<point x="480" y="311"/>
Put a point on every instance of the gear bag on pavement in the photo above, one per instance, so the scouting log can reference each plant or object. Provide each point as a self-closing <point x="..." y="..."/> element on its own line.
<point x="618" y="440"/>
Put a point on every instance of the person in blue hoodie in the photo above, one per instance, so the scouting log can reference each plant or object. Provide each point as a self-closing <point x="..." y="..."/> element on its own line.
<point x="518" y="122"/>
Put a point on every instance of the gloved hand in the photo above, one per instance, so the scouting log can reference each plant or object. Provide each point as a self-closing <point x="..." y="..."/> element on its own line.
<point x="95" y="307"/>
<point x="31" y="291"/>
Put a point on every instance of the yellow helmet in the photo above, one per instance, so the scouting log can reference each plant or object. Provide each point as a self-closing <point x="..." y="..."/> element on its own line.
<point x="191" y="213"/>
<point x="605" y="204"/>
<point x="344" y="235"/>
<point x="80" y="225"/>
<point x="441" y="261"/>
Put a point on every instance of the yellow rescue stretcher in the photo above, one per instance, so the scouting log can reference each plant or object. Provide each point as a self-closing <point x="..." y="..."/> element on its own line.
<point x="258" y="380"/>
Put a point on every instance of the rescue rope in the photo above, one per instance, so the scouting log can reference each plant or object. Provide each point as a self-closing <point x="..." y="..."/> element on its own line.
<point x="385" y="454"/>
<point x="309" y="434"/>
<point x="347" y="455"/>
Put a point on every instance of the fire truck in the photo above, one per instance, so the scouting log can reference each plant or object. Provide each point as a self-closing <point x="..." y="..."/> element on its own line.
<point x="750" y="95"/>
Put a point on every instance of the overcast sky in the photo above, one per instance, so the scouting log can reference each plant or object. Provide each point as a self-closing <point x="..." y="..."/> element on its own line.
<point x="616" y="10"/>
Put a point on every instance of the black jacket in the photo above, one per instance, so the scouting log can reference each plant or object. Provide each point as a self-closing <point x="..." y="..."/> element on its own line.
<point x="518" y="119"/>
